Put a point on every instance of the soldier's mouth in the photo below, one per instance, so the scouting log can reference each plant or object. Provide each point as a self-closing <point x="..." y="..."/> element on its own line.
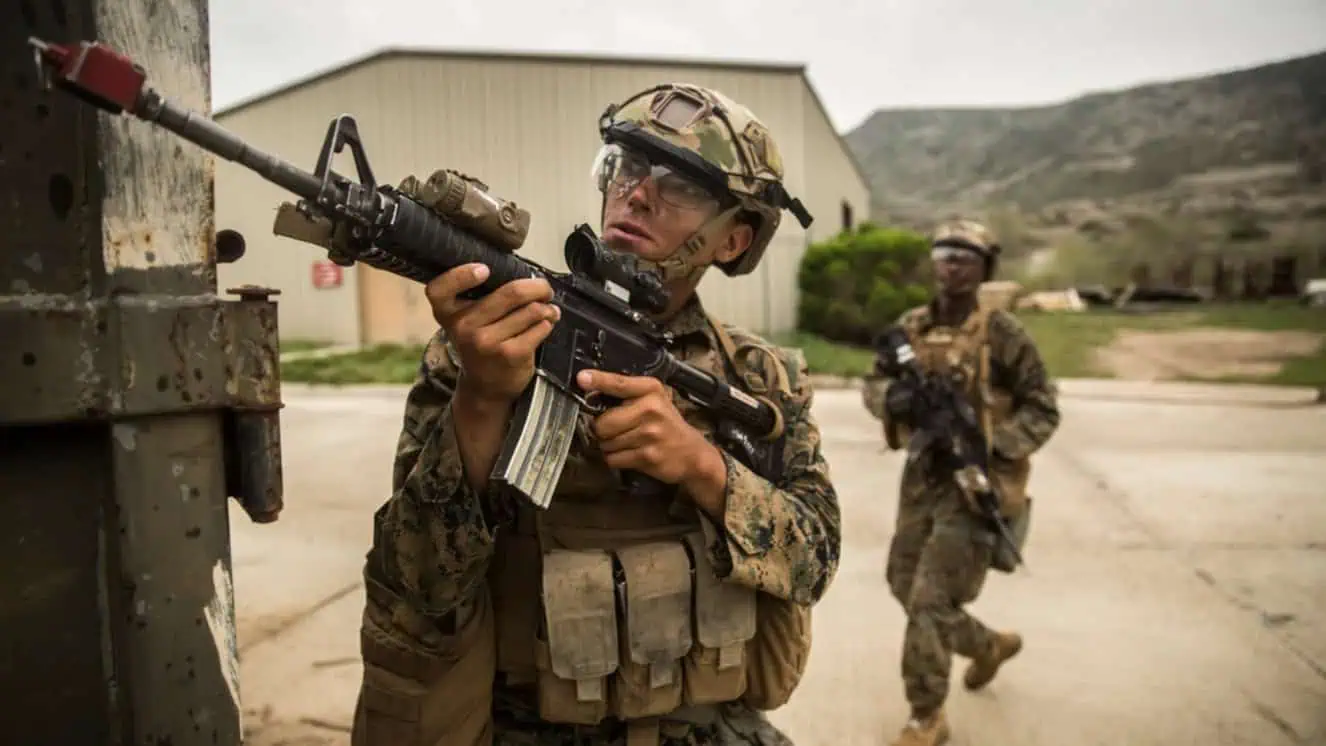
<point x="630" y="229"/>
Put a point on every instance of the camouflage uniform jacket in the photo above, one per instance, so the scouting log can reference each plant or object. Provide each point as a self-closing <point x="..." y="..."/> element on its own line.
<point x="434" y="538"/>
<point x="1015" y="369"/>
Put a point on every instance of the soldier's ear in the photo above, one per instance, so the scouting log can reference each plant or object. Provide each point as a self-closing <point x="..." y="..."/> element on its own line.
<point x="735" y="242"/>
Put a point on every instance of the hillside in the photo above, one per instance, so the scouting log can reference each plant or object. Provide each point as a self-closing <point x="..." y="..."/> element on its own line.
<point x="1240" y="153"/>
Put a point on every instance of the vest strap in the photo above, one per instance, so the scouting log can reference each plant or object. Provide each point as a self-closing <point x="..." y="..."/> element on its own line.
<point x="773" y="369"/>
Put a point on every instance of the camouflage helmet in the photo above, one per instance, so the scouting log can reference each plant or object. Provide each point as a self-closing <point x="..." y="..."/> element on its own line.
<point x="715" y="142"/>
<point x="971" y="235"/>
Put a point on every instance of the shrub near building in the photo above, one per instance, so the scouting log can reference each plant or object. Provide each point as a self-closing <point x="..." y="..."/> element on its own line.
<point x="858" y="282"/>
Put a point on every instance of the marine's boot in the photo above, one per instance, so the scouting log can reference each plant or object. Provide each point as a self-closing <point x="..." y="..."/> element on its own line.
<point x="924" y="731"/>
<point x="983" y="668"/>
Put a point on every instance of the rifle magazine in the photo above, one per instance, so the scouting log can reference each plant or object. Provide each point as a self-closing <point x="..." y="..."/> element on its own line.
<point x="537" y="442"/>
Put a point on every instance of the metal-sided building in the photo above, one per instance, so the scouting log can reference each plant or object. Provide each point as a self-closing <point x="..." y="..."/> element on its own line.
<point x="526" y="125"/>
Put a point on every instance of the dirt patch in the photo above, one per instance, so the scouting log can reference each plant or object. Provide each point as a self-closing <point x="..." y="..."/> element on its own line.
<point x="1203" y="353"/>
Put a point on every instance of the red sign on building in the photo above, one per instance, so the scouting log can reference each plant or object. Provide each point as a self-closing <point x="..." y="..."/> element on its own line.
<point x="326" y="274"/>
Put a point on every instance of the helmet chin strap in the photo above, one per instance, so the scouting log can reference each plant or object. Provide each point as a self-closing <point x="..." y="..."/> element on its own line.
<point x="682" y="264"/>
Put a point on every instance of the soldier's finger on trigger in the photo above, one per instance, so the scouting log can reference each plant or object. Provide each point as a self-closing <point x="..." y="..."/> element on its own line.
<point x="623" y="387"/>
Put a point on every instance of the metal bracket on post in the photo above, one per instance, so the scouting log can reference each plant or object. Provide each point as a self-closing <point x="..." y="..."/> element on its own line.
<point x="252" y="421"/>
<point x="160" y="366"/>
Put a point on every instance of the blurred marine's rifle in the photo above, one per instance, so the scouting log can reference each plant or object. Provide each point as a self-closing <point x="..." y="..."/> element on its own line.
<point x="946" y="430"/>
<point x="604" y="300"/>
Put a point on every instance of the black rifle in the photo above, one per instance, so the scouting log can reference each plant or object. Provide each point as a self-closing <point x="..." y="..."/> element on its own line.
<point x="386" y="228"/>
<point x="945" y="428"/>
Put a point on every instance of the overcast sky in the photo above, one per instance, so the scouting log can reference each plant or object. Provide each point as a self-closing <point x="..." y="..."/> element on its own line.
<point x="860" y="54"/>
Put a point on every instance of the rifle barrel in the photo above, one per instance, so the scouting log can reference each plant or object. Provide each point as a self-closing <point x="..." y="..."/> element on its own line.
<point x="727" y="400"/>
<point x="212" y="137"/>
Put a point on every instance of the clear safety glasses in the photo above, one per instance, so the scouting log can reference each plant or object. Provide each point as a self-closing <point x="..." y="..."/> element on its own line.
<point x="625" y="169"/>
<point x="954" y="255"/>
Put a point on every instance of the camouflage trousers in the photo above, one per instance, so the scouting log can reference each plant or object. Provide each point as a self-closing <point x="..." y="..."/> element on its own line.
<point x="938" y="561"/>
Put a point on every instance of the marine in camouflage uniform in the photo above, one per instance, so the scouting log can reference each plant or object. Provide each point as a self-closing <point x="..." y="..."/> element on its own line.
<point x="943" y="548"/>
<point x="613" y="616"/>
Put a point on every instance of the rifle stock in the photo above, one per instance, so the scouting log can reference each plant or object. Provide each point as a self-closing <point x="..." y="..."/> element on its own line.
<point x="422" y="230"/>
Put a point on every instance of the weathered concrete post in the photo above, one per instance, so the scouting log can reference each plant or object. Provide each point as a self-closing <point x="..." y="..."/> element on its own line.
<point x="132" y="400"/>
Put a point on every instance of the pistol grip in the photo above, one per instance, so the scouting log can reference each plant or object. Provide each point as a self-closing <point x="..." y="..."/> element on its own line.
<point x="637" y="484"/>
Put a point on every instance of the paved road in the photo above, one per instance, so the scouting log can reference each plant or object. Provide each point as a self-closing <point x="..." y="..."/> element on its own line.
<point x="1176" y="594"/>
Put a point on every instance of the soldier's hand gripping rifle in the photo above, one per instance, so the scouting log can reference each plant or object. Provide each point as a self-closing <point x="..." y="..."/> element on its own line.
<point x="946" y="430"/>
<point x="457" y="222"/>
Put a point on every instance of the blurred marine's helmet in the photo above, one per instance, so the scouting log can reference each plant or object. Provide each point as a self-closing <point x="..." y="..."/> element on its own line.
<point x="971" y="236"/>
<point x="699" y="145"/>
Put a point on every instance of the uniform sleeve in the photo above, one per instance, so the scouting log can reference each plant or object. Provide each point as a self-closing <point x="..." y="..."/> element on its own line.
<point x="1017" y="366"/>
<point x="782" y="536"/>
<point x="433" y="540"/>
<point x="874" y="387"/>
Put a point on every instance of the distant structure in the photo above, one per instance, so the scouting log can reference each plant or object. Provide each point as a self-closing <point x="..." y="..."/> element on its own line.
<point x="525" y="125"/>
<point x="1236" y="275"/>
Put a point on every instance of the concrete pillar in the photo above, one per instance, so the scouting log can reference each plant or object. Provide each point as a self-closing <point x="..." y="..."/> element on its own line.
<point x="115" y="576"/>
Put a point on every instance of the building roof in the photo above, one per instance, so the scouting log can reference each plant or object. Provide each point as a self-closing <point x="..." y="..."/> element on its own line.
<point x="385" y="53"/>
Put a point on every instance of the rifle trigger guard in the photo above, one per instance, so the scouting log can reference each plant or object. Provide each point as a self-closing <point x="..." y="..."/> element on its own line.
<point x="589" y="402"/>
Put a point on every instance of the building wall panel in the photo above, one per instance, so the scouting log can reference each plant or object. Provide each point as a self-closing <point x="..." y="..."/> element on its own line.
<point x="835" y="181"/>
<point x="292" y="127"/>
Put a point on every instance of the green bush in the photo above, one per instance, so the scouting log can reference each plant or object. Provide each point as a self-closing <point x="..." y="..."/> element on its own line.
<point x="858" y="282"/>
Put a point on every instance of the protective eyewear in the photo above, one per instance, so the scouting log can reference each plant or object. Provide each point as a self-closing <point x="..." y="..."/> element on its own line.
<point x="626" y="169"/>
<point x="954" y="255"/>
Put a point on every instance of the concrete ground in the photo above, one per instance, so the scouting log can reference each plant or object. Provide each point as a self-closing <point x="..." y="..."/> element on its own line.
<point x="1176" y="590"/>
